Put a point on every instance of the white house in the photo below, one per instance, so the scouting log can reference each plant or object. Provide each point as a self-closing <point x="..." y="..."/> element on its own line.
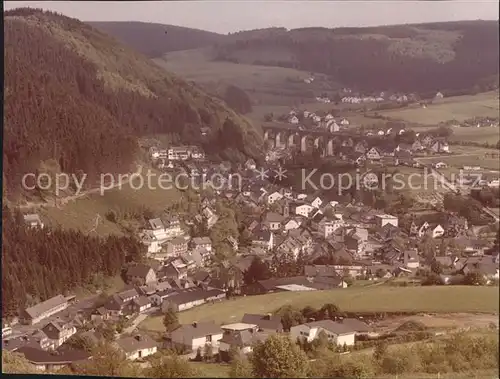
<point x="385" y="219"/>
<point x="303" y="210"/>
<point x="59" y="332"/>
<point x="344" y="122"/>
<point x="241" y="336"/>
<point x="291" y="224"/>
<point x="327" y="227"/>
<point x="139" y="346"/>
<point x="437" y="231"/>
<point x="273" y="197"/>
<point x="33" y="220"/>
<point x="440" y="165"/>
<point x="197" y="335"/>
<point x="336" y="332"/>
<point x="315" y="201"/>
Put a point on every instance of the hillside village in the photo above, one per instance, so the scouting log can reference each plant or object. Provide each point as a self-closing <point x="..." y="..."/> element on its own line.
<point x="284" y="241"/>
<point x="242" y="226"/>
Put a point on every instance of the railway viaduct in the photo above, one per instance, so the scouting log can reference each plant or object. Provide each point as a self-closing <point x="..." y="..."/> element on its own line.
<point x="286" y="137"/>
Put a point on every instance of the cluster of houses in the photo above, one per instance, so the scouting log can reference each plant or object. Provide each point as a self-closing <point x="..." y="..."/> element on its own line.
<point x="334" y="244"/>
<point x="379" y="98"/>
<point x="240" y="337"/>
<point x="177" y="153"/>
<point x="326" y="122"/>
<point x="390" y="152"/>
<point x="476" y="122"/>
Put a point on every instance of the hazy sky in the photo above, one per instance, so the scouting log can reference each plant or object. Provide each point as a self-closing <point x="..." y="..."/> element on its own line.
<point x="235" y="15"/>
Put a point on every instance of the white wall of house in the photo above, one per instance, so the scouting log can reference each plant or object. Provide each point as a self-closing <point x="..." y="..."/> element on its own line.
<point x="202" y="341"/>
<point x="142" y="353"/>
<point x="292" y="224"/>
<point x="384" y="220"/>
<point x="273" y="197"/>
<point x="153" y="247"/>
<point x="183" y="307"/>
<point x="310" y="334"/>
<point x="413" y="264"/>
<point x="274" y="225"/>
<point x="49" y="313"/>
<point x="303" y="210"/>
<point x="437" y="232"/>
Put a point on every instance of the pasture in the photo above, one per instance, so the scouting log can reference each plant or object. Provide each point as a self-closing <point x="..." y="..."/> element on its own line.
<point x="460" y="161"/>
<point x="436" y="299"/>
<point x="489" y="135"/>
<point x="81" y="214"/>
<point x="266" y="85"/>
<point x="459" y="108"/>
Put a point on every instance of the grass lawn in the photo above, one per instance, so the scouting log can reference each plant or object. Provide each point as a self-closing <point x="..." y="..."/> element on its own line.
<point x="458" y="108"/>
<point x="444" y="299"/>
<point x="415" y="181"/>
<point x="479" y="135"/>
<point x="211" y="370"/>
<point x="111" y="285"/>
<point x="460" y="161"/>
<point x="81" y="213"/>
<point x="266" y="85"/>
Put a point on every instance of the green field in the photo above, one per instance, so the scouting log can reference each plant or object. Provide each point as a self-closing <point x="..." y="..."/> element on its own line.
<point x="480" y="135"/>
<point x="415" y="181"/>
<point x="211" y="370"/>
<point x="81" y="213"/>
<point x="442" y="299"/>
<point x="458" y="108"/>
<point x="459" y="161"/>
<point x="264" y="84"/>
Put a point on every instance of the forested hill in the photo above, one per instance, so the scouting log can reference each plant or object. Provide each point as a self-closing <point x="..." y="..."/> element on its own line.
<point x="77" y="100"/>
<point x="413" y="58"/>
<point x="419" y="58"/>
<point x="154" y="40"/>
<point x="40" y="263"/>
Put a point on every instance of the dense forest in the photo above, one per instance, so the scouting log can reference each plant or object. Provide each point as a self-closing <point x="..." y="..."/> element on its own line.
<point x="154" y="40"/>
<point x="413" y="58"/>
<point x="76" y="97"/>
<point x="40" y="263"/>
<point x="238" y="99"/>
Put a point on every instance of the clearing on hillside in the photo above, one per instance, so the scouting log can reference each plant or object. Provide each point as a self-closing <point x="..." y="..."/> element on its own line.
<point x="264" y="84"/>
<point x="81" y="214"/>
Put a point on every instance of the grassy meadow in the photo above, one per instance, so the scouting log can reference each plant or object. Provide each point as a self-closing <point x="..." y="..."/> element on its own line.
<point x="458" y="108"/>
<point x="441" y="299"/>
<point x="81" y="214"/>
<point x="264" y="84"/>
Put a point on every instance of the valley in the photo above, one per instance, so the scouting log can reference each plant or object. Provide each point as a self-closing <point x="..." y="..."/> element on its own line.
<point x="313" y="208"/>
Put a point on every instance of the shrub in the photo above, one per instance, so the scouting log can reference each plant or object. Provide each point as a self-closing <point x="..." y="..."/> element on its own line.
<point x="399" y="361"/>
<point x="357" y="368"/>
<point x="411" y="326"/>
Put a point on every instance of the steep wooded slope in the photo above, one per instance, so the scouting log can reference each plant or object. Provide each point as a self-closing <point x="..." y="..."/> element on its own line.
<point x="154" y="40"/>
<point x="76" y="98"/>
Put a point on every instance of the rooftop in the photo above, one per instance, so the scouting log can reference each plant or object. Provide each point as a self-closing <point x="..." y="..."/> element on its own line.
<point x="238" y="326"/>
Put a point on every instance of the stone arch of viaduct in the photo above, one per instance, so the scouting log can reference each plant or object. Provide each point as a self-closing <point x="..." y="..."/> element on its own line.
<point x="285" y="138"/>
